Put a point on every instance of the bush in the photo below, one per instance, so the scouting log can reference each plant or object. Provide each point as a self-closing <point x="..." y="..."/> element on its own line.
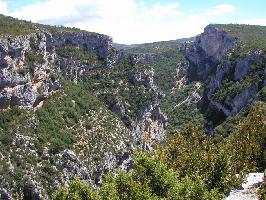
<point x="150" y="179"/>
<point x="246" y="144"/>
<point x="193" y="154"/>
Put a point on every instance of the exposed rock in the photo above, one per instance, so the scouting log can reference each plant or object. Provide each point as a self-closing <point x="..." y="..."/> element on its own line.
<point x="243" y="66"/>
<point x="74" y="69"/>
<point x="137" y="58"/>
<point x="144" y="77"/>
<point x="19" y="84"/>
<point x="249" y="190"/>
<point x="72" y="166"/>
<point x="5" y="196"/>
<point x="101" y="45"/>
<point x="126" y="161"/>
<point x="211" y="62"/>
<point x="206" y="52"/>
<point x="118" y="109"/>
<point x="150" y="128"/>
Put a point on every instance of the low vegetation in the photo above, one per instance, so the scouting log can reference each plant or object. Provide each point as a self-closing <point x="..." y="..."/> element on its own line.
<point x="188" y="165"/>
<point x="252" y="36"/>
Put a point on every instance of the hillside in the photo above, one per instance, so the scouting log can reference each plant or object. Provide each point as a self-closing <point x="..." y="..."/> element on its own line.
<point x="75" y="107"/>
<point x="232" y="65"/>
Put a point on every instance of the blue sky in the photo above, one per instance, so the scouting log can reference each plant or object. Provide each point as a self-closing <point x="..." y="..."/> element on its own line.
<point x="138" y="21"/>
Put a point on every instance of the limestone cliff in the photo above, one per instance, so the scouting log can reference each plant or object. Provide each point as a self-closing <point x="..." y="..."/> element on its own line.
<point x="231" y="82"/>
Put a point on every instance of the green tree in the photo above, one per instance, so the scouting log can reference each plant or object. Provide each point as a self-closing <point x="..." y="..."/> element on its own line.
<point x="77" y="191"/>
<point x="247" y="144"/>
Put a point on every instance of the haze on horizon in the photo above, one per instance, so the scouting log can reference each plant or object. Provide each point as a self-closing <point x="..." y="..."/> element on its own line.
<point x="138" y="21"/>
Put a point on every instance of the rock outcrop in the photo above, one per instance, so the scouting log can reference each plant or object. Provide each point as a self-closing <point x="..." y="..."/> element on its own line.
<point x="206" y="52"/>
<point x="143" y="77"/>
<point x="101" y="45"/>
<point x="150" y="128"/>
<point x="26" y="63"/>
<point x="212" y="61"/>
<point x="24" y="71"/>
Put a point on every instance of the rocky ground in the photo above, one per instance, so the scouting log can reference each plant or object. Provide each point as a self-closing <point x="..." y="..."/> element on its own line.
<point x="249" y="188"/>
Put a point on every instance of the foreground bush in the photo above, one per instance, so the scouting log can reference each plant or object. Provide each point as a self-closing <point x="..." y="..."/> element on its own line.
<point x="188" y="166"/>
<point x="150" y="179"/>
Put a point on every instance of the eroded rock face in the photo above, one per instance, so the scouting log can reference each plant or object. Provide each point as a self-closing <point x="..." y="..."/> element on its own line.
<point x="26" y="63"/>
<point x="24" y="80"/>
<point x="150" y="128"/>
<point x="137" y="58"/>
<point x="243" y="66"/>
<point x="21" y="85"/>
<point x="101" y="45"/>
<point x="214" y="42"/>
<point x="143" y="77"/>
<point x="206" y="52"/>
<point x="211" y="62"/>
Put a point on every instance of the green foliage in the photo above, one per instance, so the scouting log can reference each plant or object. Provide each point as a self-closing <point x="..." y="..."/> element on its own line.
<point x="14" y="27"/>
<point x="76" y="53"/>
<point x="9" y="118"/>
<point x="113" y="86"/>
<point x="180" y="115"/>
<point x="247" y="143"/>
<point x="169" y="67"/>
<point x="167" y="59"/>
<point x="193" y="154"/>
<point x="231" y="88"/>
<point x="229" y="125"/>
<point x="60" y="112"/>
<point x="150" y="179"/>
<point x="263" y="93"/>
<point x="252" y="36"/>
<point x="77" y="190"/>
<point x="155" y="47"/>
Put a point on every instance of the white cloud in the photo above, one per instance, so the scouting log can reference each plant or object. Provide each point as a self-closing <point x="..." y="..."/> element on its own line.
<point x="127" y="21"/>
<point x="3" y="7"/>
<point x="221" y="10"/>
<point x="257" y="21"/>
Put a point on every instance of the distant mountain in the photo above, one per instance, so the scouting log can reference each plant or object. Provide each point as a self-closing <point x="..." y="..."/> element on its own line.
<point x="130" y="46"/>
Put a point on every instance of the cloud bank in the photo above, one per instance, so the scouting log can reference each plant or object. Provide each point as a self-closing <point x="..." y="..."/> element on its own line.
<point x="127" y="21"/>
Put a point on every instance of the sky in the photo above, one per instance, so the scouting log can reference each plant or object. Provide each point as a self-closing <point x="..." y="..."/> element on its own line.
<point x="138" y="21"/>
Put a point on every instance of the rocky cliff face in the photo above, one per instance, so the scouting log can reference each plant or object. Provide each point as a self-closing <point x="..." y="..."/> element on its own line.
<point x="150" y="128"/>
<point x="101" y="45"/>
<point x="24" y="80"/>
<point x="27" y="63"/>
<point x="228" y="79"/>
<point x="206" y="52"/>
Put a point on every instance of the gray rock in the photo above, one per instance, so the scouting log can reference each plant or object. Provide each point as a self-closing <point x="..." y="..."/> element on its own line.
<point x="243" y="66"/>
<point x="206" y="52"/>
<point x="137" y="58"/>
<point x="144" y="77"/>
<point x="118" y="109"/>
<point x="150" y="128"/>
<point x="101" y="45"/>
<point x="18" y="85"/>
<point x="210" y="62"/>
